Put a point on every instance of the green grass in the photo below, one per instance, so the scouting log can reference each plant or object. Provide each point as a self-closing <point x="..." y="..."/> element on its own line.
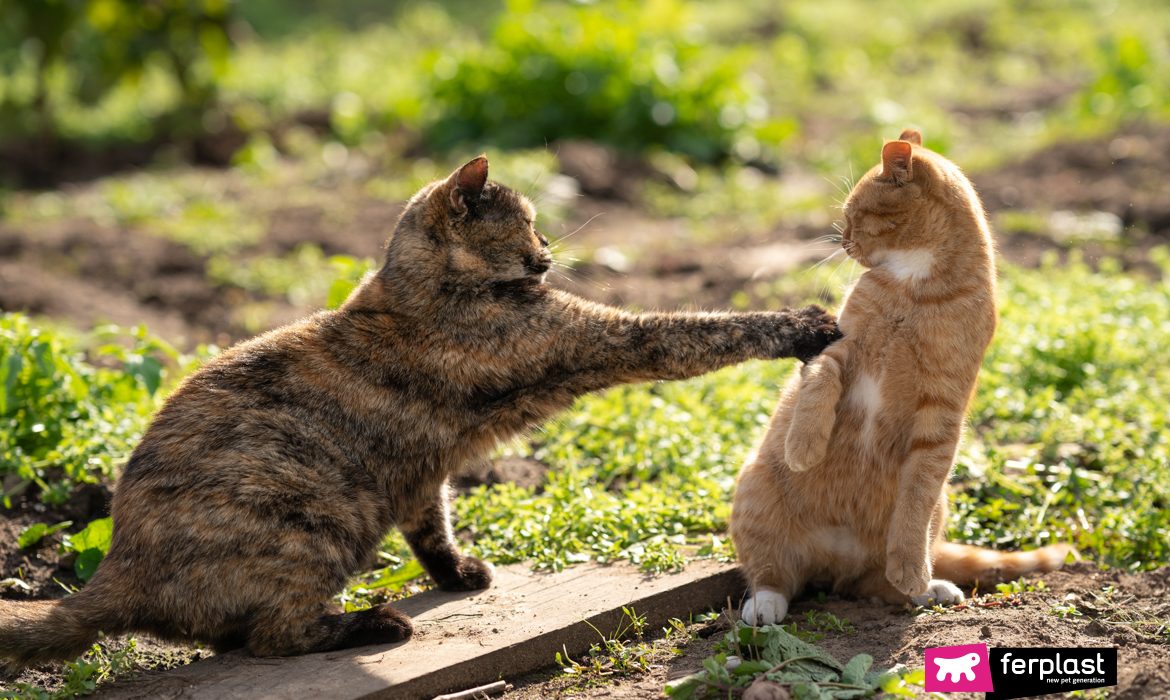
<point x="67" y="418"/>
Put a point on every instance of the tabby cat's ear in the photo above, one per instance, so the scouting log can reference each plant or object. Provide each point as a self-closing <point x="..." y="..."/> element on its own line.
<point x="467" y="183"/>
<point x="914" y="136"/>
<point x="898" y="161"/>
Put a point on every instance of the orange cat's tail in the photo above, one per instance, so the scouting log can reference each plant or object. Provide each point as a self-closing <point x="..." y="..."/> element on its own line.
<point x="965" y="564"/>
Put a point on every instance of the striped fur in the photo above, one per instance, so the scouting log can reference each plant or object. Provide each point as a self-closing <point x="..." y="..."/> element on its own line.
<point x="271" y="475"/>
<point x="847" y="487"/>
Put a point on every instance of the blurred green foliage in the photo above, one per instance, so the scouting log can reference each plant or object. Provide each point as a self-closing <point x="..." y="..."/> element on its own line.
<point x="58" y="55"/>
<point x="753" y="79"/>
<point x="634" y="74"/>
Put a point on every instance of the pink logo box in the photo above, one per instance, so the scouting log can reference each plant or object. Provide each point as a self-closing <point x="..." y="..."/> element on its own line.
<point x="958" y="669"/>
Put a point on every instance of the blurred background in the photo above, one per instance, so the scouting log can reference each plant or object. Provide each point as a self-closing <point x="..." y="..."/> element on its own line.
<point x="213" y="168"/>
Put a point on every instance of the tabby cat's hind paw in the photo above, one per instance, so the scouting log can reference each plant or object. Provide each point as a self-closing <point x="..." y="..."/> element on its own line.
<point x="939" y="592"/>
<point x="766" y="607"/>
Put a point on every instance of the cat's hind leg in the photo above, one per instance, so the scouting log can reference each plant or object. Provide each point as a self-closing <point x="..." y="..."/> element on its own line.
<point x="765" y="607"/>
<point x="773" y="557"/>
<point x="287" y="632"/>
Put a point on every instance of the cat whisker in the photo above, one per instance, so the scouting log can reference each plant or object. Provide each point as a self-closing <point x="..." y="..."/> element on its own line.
<point x="837" y="186"/>
<point x="579" y="228"/>
<point x="834" y="238"/>
<point x="577" y="275"/>
<point x="823" y="292"/>
<point x="827" y="258"/>
<point x="531" y="192"/>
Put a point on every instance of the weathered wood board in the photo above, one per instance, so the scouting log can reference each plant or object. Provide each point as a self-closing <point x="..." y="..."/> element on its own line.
<point x="461" y="640"/>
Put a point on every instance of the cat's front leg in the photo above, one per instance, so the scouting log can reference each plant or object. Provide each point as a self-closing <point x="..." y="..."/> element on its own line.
<point x="430" y="538"/>
<point x="677" y="346"/>
<point x="815" y="411"/>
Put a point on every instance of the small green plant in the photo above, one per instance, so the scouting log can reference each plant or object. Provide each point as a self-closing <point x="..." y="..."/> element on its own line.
<point x="33" y="534"/>
<point x="1020" y="586"/>
<point x="771" y="654"/>
<point x="615" y="654"/>
<point x="825" y="621"/>
<point x="90" y="545"/>
<point x="83" y="676"/>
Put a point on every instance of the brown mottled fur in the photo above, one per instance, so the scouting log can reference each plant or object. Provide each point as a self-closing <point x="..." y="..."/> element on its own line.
<point x="271" y="474"/>
<point x="847" y="487"/>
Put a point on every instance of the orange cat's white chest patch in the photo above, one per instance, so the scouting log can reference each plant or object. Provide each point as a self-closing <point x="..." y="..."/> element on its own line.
<point x="865" y="394"/>
<point x="908" y="265"/>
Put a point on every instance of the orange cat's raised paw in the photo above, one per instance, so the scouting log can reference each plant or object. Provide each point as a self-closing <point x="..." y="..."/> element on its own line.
<point x="804" y="450"/>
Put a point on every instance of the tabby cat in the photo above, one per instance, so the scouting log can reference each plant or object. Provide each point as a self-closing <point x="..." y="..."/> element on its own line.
<point x="847" y="488"/>
<point x="271" y="475"/>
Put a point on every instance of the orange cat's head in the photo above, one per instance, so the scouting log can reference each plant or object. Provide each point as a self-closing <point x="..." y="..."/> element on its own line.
<point x="911" y="210"/>
<point x="466" y="232"/>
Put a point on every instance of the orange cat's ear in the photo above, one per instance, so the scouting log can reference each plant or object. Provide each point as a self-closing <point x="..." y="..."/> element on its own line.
<point x="898" y="161"/>
<point x="914" y="136"/>
<point x="468" y="182"/>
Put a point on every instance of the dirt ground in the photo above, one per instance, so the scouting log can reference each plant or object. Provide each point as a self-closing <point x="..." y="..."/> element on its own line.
<point x="1116" y="609"/>
<point x="84" y="272"/>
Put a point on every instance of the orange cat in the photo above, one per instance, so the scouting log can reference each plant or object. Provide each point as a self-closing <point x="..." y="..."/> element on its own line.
<point x="848" y="487"/>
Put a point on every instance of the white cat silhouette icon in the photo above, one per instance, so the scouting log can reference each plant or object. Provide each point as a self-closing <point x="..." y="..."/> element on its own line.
<point x="962" y="666"/>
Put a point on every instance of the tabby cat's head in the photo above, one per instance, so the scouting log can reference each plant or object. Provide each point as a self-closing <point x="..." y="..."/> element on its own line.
<point x="904" y="211"/>
<point x="472" y="234"/>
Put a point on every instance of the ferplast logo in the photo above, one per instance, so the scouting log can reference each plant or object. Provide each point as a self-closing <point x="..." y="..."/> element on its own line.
<point x="1018" y="672"/>
<point x="1026" y="672"/>
<point x="958" y="669"/>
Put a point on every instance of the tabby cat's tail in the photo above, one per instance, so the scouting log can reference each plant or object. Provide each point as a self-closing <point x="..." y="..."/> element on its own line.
<point x="965" y="564"/>
<point x="32" y="631"/>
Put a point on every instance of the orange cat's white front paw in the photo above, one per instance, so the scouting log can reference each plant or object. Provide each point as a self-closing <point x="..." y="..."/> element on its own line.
<point x="766" y="607"/>
<point x="803" y="450"/>
<point x="910" y="574"/>
<point x="939" y="592"/>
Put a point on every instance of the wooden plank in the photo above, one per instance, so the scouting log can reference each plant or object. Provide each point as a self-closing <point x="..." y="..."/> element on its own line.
<point x="461" y="640"/>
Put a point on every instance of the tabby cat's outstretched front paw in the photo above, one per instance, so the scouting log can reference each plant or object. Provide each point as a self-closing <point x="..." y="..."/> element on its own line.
<point x="818" y="330"/>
